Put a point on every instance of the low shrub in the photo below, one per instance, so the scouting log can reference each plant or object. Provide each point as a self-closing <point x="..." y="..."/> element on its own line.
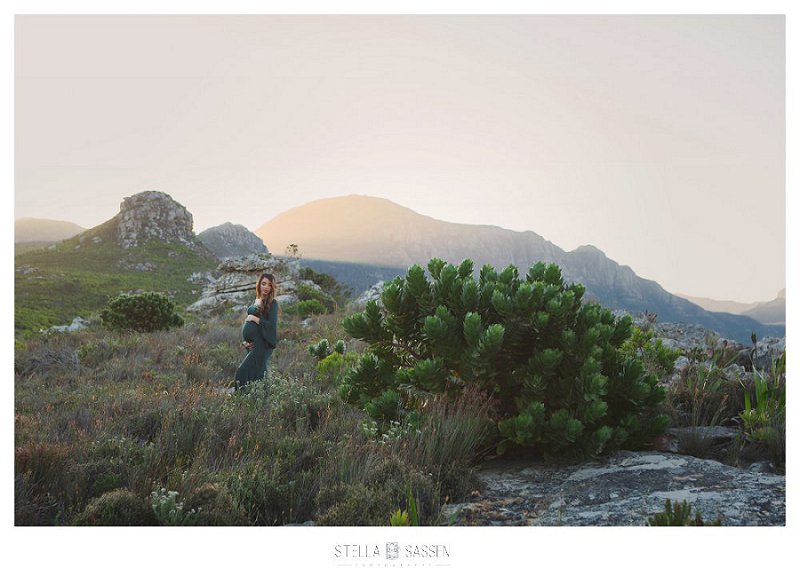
<point x="353" y="505"/>
<point x="117" y="508"/>
<point x="764" y="416"/>
<point x="146" y="312"/>
<point x="214" y="506"/>
<point x="312" y="307"/>
<point x="170" y="510"/>
<point x="679" y="514"/>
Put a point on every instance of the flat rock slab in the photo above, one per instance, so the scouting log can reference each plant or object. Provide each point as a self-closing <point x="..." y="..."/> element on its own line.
<point x="623" y="490"/>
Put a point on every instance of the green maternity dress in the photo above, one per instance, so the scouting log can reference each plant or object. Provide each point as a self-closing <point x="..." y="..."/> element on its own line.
<point x="264" y="337"/>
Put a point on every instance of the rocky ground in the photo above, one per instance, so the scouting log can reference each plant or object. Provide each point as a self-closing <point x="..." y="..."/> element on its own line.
<point x="623" y="490"/>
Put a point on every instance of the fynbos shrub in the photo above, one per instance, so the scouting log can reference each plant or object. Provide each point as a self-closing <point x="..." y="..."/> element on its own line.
<point x="145" y="312"/>
<point x="117" y="508"/>
<point x="554" y="365"/>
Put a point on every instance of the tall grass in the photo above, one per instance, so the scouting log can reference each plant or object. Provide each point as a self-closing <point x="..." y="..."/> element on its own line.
<point x="108" y="424"/>
<point x="705" y="395"/>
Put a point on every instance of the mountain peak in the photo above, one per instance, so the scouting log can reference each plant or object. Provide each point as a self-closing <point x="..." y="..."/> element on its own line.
<point x="354" y="206"/>
<point x="588" y="248"/>
<point x="153" y="215"/>
<point x="229" y="240"/>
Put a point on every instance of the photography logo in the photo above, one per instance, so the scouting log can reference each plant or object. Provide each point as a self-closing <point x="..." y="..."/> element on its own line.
<point x="392" y="554"/>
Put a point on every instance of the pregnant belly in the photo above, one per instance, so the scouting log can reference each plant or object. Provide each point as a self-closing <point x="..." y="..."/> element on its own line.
<point x="250" y="331"/>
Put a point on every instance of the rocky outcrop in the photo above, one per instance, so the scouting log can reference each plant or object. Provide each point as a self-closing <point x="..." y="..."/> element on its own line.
<point x="371" y="293"/>
<point x="686" y="337"/>
<point x="232" y="240"/>
<point x="78" y="323"/>
<point x="153" y="216"/>
<point x="235" y="282"/>
<point x="623" y="490"/>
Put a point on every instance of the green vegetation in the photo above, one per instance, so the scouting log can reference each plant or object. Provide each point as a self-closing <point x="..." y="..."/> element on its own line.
<point x="332" y="288"/>
<point x="119" y="428"/>
<point x="127" y="427"/>
<point x="23" y="247"/>
<point x="146" y="312"/>
<point x="554" y="369"/>
<point x="78" y="276"/>
<point x="679" y="515"/>
<point x="763" y="415"/>
<point x="313" y="301"/>
<point x="406" y="517"/>
<point x="323" y="349"/>
<point x="119" y="507"/>
<point x="707" y="392"/>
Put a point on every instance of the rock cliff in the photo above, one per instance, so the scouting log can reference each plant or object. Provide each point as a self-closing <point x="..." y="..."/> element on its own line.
<point x="234" y="282"/>
<point x="153" y="216"/>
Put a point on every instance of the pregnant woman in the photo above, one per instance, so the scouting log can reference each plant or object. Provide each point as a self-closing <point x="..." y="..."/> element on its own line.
<point x="259" y="332"/>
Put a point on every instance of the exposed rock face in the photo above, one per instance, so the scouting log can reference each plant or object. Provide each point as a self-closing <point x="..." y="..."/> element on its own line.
<point x="153" y="215"/>
<point x="78" y="323"/>
<point x="235" y="285"/>
<point x="766" y="350"/>
<point x="372" y="293"/>
<point x="623" y="490"/>
<point x="231" y="240"/>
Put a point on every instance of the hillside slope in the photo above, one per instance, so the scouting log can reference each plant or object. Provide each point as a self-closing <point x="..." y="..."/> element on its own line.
<point x="44" y="230"/>
<point x="135" y="250"/>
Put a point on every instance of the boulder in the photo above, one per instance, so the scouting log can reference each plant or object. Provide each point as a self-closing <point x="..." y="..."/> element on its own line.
<point x="78" y="323"/>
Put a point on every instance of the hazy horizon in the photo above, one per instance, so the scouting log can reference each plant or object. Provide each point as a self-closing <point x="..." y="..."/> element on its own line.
<point x="658" y="139"/>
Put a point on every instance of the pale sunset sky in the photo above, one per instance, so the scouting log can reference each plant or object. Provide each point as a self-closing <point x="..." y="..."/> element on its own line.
<point x="658" y="139"/>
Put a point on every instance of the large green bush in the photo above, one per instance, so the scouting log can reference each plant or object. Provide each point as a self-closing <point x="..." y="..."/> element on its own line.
<point x="146" y="312"/>
<point x="554" y="366"/>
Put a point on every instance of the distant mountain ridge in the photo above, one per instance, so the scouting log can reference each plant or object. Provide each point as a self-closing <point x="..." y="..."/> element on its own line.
<point x="713" y="305"/>
<point x="376" y="231"/>
<point x="44" y="230"/>
<point x="770" y="312"/>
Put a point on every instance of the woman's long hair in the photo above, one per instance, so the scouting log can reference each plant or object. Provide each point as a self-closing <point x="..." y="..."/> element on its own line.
<point x="266" y="300"/>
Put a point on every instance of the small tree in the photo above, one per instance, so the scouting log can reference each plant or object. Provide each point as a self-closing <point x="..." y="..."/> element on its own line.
<point x="146" y="312"/>
<point x="293" y="251"/>
<point x="554" y="365"/>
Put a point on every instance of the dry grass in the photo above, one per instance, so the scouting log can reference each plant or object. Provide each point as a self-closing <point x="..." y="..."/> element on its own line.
<point x="98" y="412"/>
